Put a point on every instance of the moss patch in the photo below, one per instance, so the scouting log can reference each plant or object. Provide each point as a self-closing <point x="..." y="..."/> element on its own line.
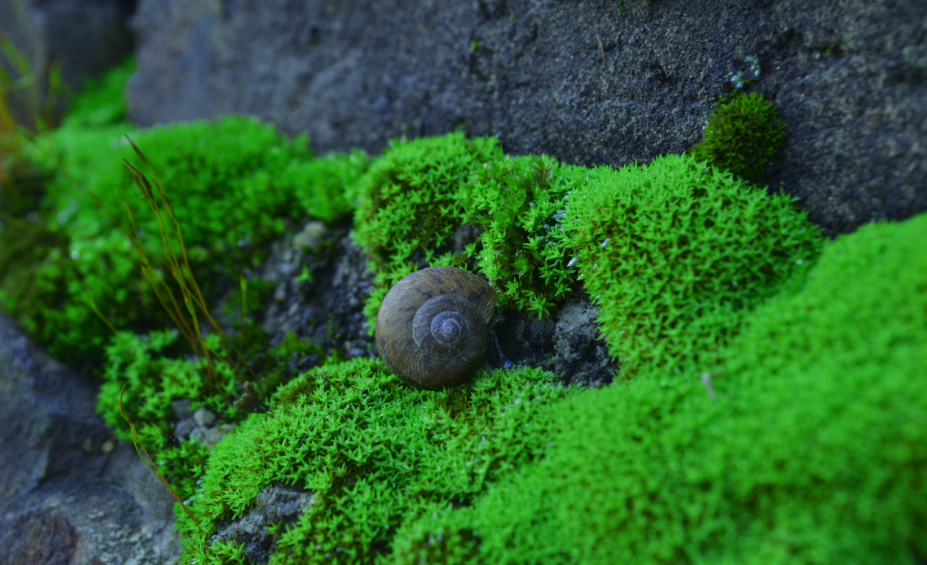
<point x="519" y="203"/>
<point x="742" y="136"/>
<point x="374" y="453"/>
<point x="233" y="184"/>
<point x="101" y="101"/>
<point x="811" y="453"/>
<point x="31" y="257"/>
<point x="674" y="253"/>
<point x="409" y="207"/>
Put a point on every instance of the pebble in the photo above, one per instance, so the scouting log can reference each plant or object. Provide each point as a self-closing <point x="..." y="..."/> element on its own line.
<point x="204" y="417"/>
<point x="215" y="435"/>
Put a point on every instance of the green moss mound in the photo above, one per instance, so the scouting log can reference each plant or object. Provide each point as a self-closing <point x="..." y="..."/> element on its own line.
<point x="742" y="136"/>
<point x="812" y="452"/>
<point x="375" y="454"/>
<point x="102" y="101"/>
<point x="518" y="203"/>
<point x="221" y="178"/>
<point x="31" y="260"/>
<point x="155" y="374"/>
<point x="233" y="185"/>
<point x="409" y="206"/>
<point x="676" y="252"/>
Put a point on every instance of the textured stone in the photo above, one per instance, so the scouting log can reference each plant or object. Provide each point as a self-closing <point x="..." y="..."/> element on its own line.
<point x="587" y="82"/>
<point x="87" y="37"/>
<point x="63" y="497"/>
<point x="280" y="505"/>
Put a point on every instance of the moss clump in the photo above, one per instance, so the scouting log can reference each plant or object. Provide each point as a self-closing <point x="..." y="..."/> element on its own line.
<point x="519" y="203"/>
<point x="812" y="451"/>
<point x="374" y="453"/>
<point x="742" y="136"/>
<point x="155" y="375"/>
<point x="323" y="187"/>
<point x="222" y="179"/>
<point x="409" y="206"/>
<point x="101" y="101"/>
<point x="674" y="253"/>
<point x="233" y="184"/>
<point x="31" y="260"/>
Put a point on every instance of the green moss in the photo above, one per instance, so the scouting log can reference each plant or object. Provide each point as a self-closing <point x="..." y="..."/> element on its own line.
<point x="30" y="257"/>
<point x="742" y="136"/>
<point x="324" y="187"/>
<point x="374" y="453"/>
<point x="233" y="184"/>
<point x="155" y="374"/>
<point x="519" y="203"/>
<point x="102" y="101"/>
<point x="221" y="178"/>
<point x="676" y="252"/>
<point x="812" y="451"/>
<point x="226" y="553"/>
<point x="409" y="206"/>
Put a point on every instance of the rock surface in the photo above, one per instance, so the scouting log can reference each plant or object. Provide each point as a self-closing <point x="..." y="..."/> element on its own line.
<point x="588" y="82"/>
<point x="88" y="37"/>
<point x="69" y="493"/>
<point x="278" y="505"/>
<point x="321" y="282"/>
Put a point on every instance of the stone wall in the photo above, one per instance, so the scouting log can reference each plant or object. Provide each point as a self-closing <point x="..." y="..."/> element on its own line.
<point x="589" y="82"/>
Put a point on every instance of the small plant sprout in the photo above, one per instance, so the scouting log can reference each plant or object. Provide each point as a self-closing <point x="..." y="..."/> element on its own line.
<point x="305" y="276"/>
<point x="741" y="79"/>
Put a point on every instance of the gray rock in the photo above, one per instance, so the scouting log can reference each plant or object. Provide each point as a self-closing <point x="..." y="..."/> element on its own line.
<point x="310" y="237"/>
<point x="568" y="344"/>
<point x="184" y="428"/>
<point x="63" y="499"/>
<point x="329" y="309"/>
<point x="279" y="504"/>
<point x="215" y="435"/>
<point x="586" y="82"/>
<point x="198" y="434"/>
<point x="88" y="37"/>
<point x="203" y="417"/>
<point x="182" y="409"/>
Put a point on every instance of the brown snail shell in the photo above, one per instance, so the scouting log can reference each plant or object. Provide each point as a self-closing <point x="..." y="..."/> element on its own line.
<point x="433" y="327"/>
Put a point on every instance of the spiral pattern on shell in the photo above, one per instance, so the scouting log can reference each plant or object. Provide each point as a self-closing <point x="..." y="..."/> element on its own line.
<point x="433" y="327"/>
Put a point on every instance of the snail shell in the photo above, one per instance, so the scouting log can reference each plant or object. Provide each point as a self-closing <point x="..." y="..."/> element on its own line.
<point x="433" y="327"/>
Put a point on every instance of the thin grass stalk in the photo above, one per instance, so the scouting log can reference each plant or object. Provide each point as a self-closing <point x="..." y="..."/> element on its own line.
<point x="140" y="450"/>
<point x="159" y="286"/>
<point x="193" y="335"/>
<point x="182" y="271"/>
